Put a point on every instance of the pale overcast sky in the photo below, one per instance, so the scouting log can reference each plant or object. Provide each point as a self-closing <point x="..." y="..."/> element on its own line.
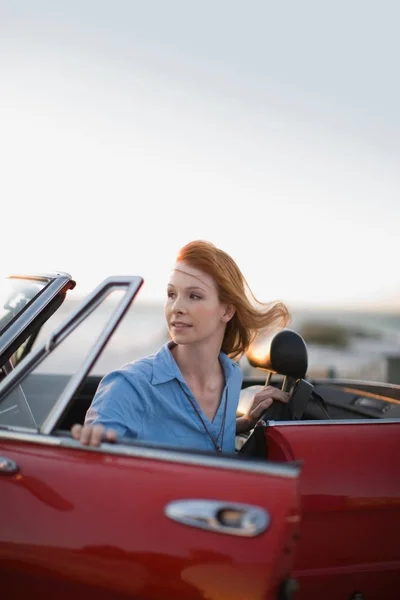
<point x="269" y="128"/>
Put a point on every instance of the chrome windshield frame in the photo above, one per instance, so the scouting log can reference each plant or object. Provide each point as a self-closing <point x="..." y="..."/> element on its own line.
<point x="55" y="284"/>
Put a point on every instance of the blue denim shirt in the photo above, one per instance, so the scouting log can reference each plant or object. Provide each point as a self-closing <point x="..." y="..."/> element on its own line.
<point x="148" y="400"/>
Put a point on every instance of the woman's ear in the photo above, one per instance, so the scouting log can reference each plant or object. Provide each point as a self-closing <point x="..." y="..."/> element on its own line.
<point x="229" y="312"/>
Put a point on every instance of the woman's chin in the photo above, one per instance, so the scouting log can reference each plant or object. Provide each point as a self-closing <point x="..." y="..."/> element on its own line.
<point x="181" y="338"/>
<point x="179" y="341"/>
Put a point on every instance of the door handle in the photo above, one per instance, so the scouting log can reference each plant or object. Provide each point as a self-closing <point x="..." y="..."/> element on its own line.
<point x="231" y="518"/>
<point x="8" y="466"/>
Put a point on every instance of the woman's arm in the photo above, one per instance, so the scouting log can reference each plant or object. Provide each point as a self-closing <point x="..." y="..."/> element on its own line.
<point x="242" y="425"/>
<point x="261" y="401"/>
<point x="116" y="411"/>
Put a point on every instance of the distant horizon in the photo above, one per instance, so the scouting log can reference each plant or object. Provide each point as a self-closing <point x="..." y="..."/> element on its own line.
<point x="384" y="305"/>
<point x="76" y="296"/>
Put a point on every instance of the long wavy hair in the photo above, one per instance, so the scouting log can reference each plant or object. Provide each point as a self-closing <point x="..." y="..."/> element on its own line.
<point x="251" y="316"/>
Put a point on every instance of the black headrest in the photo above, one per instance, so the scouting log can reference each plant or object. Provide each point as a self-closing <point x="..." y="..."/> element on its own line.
<point x="284" y="353"/>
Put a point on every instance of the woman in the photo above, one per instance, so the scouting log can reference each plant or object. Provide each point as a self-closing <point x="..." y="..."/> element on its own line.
<point x="187" y="394"/>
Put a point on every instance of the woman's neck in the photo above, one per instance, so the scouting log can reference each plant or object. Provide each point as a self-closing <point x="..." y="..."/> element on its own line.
<point x="198" y="362"/>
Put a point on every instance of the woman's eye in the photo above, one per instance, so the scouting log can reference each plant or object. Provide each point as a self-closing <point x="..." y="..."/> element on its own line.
<point x="195" y="297"/>
<point x="170" y="295"/>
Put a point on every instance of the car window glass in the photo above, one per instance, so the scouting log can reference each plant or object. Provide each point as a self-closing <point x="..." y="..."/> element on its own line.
<point x="141" y="332"/>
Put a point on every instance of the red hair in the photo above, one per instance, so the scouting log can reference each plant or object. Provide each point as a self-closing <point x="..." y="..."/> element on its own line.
<point x="251" y="316"/>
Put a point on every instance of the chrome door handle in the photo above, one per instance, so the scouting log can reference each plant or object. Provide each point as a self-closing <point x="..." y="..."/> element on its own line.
<point x="231" y="518"/>
<point x="8" y="466"/>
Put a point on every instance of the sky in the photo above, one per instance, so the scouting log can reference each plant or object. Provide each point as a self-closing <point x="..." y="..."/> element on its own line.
<point x="129" y="128"/>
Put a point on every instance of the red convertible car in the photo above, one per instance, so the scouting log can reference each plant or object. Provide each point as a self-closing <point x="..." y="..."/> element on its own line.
<point x="309" y="508"/>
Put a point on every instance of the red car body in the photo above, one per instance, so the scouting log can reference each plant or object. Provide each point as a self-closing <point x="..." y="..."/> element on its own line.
<point x="350" y="491"/>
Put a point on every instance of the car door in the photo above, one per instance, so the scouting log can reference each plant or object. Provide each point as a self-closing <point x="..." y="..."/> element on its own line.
<point x="350" y="490"/>
<point x="140" y="522"/>
<point x="130" y="520"/>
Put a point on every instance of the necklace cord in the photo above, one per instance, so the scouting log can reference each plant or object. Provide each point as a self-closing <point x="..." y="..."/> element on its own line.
<point x="218" y="446"/>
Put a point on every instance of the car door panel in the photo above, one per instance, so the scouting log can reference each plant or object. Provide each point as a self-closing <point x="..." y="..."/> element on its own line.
<point x="350" y="490"/>
<point x="93" y="522"/>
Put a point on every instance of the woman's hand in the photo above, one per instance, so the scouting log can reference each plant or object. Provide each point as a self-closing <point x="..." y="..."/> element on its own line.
<point x="93" y="435"/>
<point x="261" y="401"/>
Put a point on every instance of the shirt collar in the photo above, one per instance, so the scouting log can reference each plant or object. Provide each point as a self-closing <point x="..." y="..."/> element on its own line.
<point x="165" y="367"/>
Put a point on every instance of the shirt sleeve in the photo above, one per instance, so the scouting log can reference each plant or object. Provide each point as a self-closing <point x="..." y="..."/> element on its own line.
<point x="117" y="405"/>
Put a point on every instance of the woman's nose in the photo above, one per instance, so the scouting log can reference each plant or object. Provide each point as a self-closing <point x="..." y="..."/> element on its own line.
<point x="179" y="305"/>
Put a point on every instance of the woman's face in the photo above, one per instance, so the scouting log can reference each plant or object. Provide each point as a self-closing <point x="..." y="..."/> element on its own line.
<point x="193" y="310"/>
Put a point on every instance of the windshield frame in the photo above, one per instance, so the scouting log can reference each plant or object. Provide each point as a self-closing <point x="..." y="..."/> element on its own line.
<point x="38" y="310"/>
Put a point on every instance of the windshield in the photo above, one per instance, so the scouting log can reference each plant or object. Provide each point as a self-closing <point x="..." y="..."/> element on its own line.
<point x="15" y="295"/>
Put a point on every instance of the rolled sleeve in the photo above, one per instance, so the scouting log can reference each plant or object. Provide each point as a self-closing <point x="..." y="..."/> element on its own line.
<point x="117" y="405"/>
